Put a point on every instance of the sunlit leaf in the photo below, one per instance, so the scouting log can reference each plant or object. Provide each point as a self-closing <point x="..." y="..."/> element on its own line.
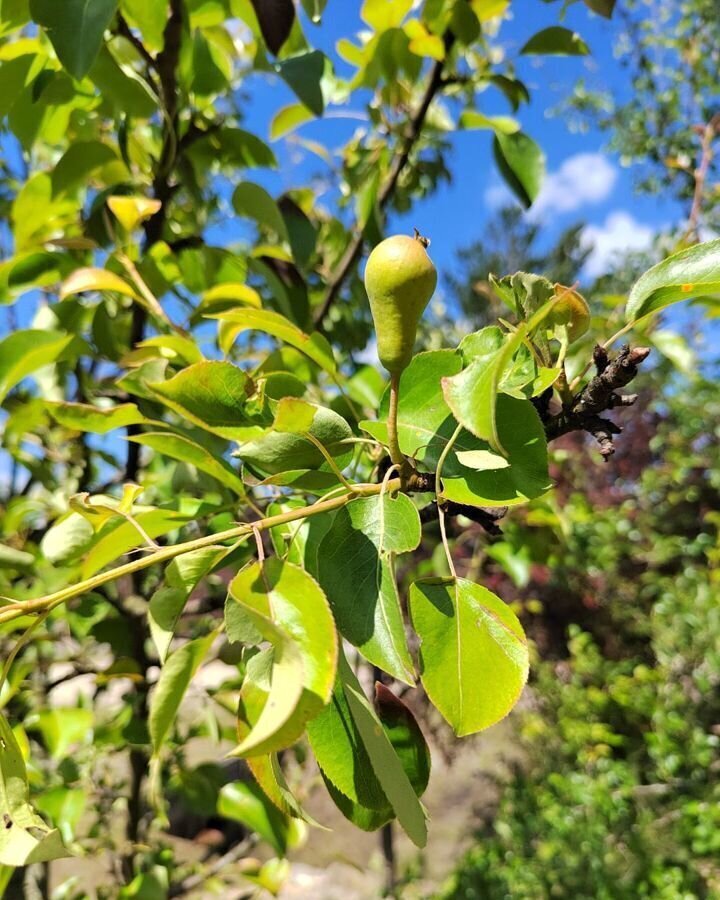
<point x="287" y="119"/>
<point x="281" y="603"/>
<point x="185" y="450"/>
<point x="24" y="352"/>
<point x="90" y="279"/>
<point x="175" y="678"/>
<point x="472" y="393"/>
<point x="473" y="652"/>
<point x="690" y="273"/>
<point x="24" y="837"/>
<point x="131" y="211"/>
<point x="244" y="802"/>
<point x="212" y="395"/>
<point x="471" y="118"/>
<point x="314" y="346"/>
<point x="292" y="441"/>
<point x="95" y="419"/>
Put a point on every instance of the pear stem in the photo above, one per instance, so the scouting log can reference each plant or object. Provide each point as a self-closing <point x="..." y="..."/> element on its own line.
<point x="393" y="444"/>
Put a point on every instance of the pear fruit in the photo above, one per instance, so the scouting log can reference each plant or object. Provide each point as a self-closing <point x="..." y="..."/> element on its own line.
<point x="400" y="279"/>
<point x="571" y="311"/>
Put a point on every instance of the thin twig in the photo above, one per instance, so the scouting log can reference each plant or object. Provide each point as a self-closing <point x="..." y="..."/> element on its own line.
<point x="227" y="859"/>
<point x="124" y="30"/>
<point x="400" y="160"/>
<point x="709" y="133"/>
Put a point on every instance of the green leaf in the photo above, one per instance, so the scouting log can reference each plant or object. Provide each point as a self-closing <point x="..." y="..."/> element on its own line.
<point x="168" y="346"/>
<point x="119" y="536"/>
<point x="384" y="760"/>
<point x="244" y="802"/>
<point x="181" y="578"/>
<point x="228" y="296"/>
<point x="287" y="119"/>
<point x="556" y="41"/>
<point x="212" y="395"/>
<point x="121" y="86"/>
<point x="75" y="29"/>
<point x="275" y="18"/>
<point x="68" y="538"/>
<point x="266" y="769"/>
<point x="301" y="231"/>
<point x="676" y="348"/>
<point x="472" y="394"/>
<point x="64" y="728"/>
<point x="235" y="147"/>
<point x="473" y="652"/>
<point x="314" y="346"/>
<point x="281" y="603"/>
<point x="150" y="18"/>
<point x="304" y="74"/>
<point x="15" y="74"/>
<point x="12" y="558"/>
<point x="13" y="15"/>
<point x="33" y="269"/>
<point x="287" y="446"/>
<point x="512" y="88"/>
<point x="175" y="678"/>
<point x="24" y="352"/>
<point x="602" y="7"/>
<point x="356" y="572"/>
<point x="24" y="837"/>
<point x="426" y="424"/>
<point x="482" y="460"/>
<point x="78" y="162"/>
<point x="381" y="15"/>
<point x="183" y="449"/>
<point x="341" y="754"/>
<point x="522" y="437"/>
<point x="65" y="807"/>
<point x="95" y="419"/>
<point x="254" y="202"/>
<point x="690" y="273"/>
<point x="521" y="163"/>
<point x="471" y="119"/>
<point x="314" y="9"/>
<point x="90" y="279"/>
<point x="130" y="211"/>
<point x="407" y="740"/>
<point x="464" y="23"/>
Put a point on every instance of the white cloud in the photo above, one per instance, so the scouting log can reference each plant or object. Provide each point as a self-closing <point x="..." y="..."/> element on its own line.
<point x="581" y="180"/>
<point x="620" y="233"/>
<point x="499" y="194"/>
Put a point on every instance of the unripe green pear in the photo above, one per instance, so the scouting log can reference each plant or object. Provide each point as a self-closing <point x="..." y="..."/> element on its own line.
<point x="572" y="311"/>
<point x="400" y="279"/>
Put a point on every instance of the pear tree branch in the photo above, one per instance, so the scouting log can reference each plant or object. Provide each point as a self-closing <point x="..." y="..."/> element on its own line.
<point x="435" y="85"/>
